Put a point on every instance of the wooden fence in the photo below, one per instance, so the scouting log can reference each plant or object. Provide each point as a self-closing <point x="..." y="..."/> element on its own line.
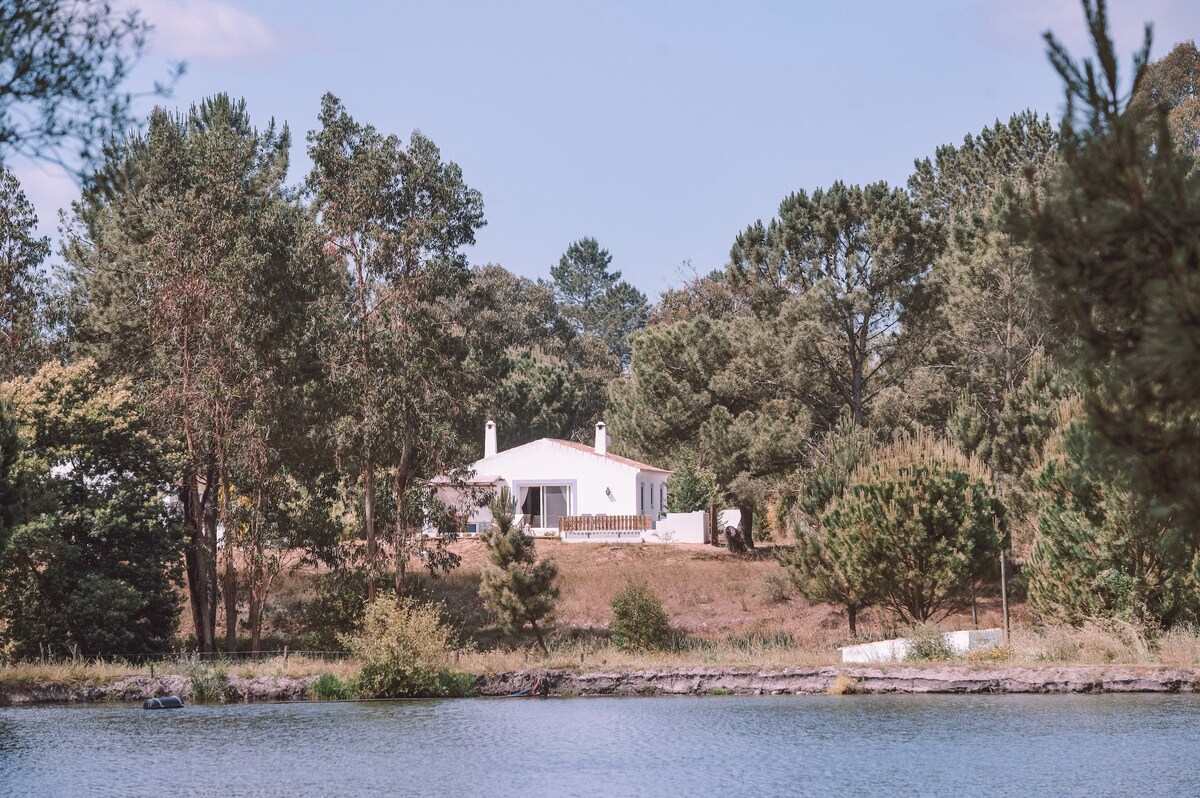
<point x="605" y="523"/>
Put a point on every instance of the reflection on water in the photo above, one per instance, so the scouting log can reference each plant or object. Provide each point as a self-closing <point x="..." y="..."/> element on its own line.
<point x="727" y="746"/>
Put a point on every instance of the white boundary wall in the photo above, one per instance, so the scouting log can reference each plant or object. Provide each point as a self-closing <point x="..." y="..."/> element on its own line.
<point x="896" y="650"/>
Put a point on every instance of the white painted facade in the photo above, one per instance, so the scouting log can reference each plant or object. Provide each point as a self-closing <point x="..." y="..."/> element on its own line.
<point x="550" y="478"/>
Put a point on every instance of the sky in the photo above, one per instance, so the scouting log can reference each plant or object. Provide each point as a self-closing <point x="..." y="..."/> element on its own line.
<point x="661" y="128"/>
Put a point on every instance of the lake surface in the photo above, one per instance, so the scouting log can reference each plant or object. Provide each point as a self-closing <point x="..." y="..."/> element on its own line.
<point x="722" y="746"/>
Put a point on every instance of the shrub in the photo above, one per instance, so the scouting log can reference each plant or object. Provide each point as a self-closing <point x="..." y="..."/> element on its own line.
<point x="209" y="680"/>
<point x="777" y="588"/>
<point x="928" y="645"/>
<point x="336" y="610"/>
<point x="404" y="648"/>
<point x="328" y="687"/>
<point x="639" y="621"/>
<point x="844" y="685"/>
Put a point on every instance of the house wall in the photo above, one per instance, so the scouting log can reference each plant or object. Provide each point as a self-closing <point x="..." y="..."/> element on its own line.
<point x="599" y="485"/>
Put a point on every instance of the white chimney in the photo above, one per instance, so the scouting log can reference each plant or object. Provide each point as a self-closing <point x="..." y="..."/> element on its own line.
<point x="601" y="439"/>
<point x="489" y="439"/>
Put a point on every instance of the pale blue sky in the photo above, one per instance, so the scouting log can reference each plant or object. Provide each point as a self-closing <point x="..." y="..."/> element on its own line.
<point x="660" y="128"/>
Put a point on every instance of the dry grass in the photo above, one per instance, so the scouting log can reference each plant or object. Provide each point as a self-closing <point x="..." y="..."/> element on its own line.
<point x="731" y="653"/>
<point x="81" y="673"/>
<point x="101" y="672"/>
<point x="1092" y="643"/>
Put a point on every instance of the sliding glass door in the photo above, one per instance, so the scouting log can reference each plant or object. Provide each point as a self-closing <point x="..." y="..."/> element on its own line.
<point x="542" y="505"/>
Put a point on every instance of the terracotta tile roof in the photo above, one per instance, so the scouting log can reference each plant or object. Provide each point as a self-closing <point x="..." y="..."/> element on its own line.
<point x="616" y="458"/>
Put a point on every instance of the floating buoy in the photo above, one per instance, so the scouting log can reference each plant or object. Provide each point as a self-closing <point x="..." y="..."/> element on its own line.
<point x="166" y="702"/>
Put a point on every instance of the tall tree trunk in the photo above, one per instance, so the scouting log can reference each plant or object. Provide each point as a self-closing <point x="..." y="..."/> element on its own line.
<point x="746" y="524"/>
<point x="714" y="524"/>
<point x="196" y="567"/>
<point x="538" y="634"/>
<point x="403" y="532"/>
<point x="229" y="584"/>
<point x="257" y="600"/>
<point x="368" y="477"/>
<point x="210" y="577"/>
<point x="852" y="616"/>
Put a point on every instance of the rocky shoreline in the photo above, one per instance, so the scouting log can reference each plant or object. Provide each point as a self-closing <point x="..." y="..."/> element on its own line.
<point x="952" y="679"/>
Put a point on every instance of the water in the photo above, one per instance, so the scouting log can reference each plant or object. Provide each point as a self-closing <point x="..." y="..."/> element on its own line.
<point x="724" y="746"/>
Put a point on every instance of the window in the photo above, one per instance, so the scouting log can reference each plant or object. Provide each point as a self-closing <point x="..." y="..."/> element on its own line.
<point x="642" y="499"/>
<point x="662" y="496"/>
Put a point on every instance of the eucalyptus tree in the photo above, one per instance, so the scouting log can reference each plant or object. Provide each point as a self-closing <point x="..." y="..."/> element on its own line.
<point x="22" y="286"/>
<point x="395" y="219"/>
<point x="848" y="266"/>
<point x="197" y="273"/>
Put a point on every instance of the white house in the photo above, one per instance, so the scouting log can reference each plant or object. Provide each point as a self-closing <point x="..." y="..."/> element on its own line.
<point x="577" y="492"/>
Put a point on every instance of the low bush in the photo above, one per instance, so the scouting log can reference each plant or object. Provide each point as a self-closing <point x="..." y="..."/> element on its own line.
<point x="328" y="687"/>
<point x="209" y="680"/>
<point x="336" y="610"/>
<point x="777" y="588"/>
<point x="404" y="648"/>
<point x="639" y="621"/>
<point x="844" y="685"/>
<point x="928" y="645"/>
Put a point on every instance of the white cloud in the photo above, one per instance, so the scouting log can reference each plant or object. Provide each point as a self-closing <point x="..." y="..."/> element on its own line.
<point x="206" y="29"/>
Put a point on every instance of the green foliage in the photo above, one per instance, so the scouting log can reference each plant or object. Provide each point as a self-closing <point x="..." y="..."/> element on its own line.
<point x="200" y="280"/>
<point x="596" y="300"/>
<point x="928" y="645"/>
<point x="22" y="287"/>
<point x="918" y="527"/>
<point x="395" y="218"/>
<point x="846" y="267"/>
<point x="1100" y="551"/>
<point x="336" y="610"/>
<point x="11" y="493"/>
<point x="815" y="574"/>
<point x="93" y="566"/>
<point x="1118" y="239"/>
<point x="539" y="378"/>
<point x="404" y="648"/>
<point x="689" y="489"/>
<point x="639" y="621"/>
<point x="328" y="687"/>
<point x="722" y="394"/>
<point x="64" y="63"/>
<point x="210" y="681"/>
<point x="1171" y="85"/>
<point x="519" y="590"/>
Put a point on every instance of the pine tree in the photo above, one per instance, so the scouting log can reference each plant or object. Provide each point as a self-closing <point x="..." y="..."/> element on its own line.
<point x="596" y="300"/>
<point x="847" y="268"/>
<point x="1100" y="549"/>
<point x="1118" y="241"/>
<point x="520" y="588"/>
<point x="920" y="524"/>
